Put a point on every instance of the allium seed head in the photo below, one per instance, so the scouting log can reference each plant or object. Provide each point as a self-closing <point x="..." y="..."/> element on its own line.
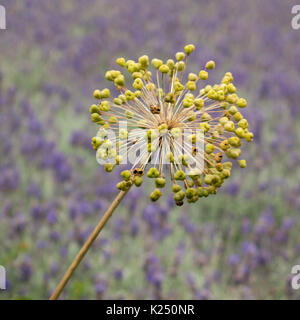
<point x="174" y="128"/>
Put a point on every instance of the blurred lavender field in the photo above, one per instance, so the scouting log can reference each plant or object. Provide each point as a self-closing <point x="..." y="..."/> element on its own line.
<point x="240" y="244"/>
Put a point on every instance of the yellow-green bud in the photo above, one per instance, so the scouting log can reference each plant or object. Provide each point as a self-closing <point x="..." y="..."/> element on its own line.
<point x="119" y="80"/>
<point x="229" y="126"/>
<point x="179" y="175"/>
<point x="129" y="95"/>
<point x="191" y="85"/>
<point x="156" y="63"/>
<point x="189" y="49"/>
<point x="97" y="94"/>
<point x="241" y="102"/>
<point x="209" y="148"/>
<point x="210" y="65"/>
<point x="164" y="68"/>
<point x="199" y="103"/>
<point x="203" y="75"/>
<point x="144" y="61"/>
<point x="121" y="62"/>
<point x="155" y="195"/>
<point x="180" y="56"/>
<point x="138" y="84"/>
<point x="180" y="66"/>
<point x="192" y="77"/>
<point x="108" y="167"/>
<point x="160" y="182"/>
<point x="126" y="175"/>
<point x="138" y="181"/>
<point x="242" y="163"/>
<point x="153" y="173"/>
<point x="176" y="188"/>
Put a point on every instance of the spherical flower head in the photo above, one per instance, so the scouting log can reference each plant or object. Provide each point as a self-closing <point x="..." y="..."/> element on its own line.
<point x="176" y="129"/>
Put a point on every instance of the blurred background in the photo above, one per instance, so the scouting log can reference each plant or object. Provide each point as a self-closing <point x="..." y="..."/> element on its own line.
<point x="240" y="244"/>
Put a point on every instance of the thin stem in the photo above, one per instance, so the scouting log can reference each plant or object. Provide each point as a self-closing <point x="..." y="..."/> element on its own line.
<point x="87" y="246"/>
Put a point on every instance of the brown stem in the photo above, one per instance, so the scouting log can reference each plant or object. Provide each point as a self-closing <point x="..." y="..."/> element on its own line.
<point x="87" y="246"/>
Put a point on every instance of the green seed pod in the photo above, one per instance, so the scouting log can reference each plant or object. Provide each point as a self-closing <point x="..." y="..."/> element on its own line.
<point x="150" y="86"/>
<point x="210" y="65"/>
<point x="104" y="106"/>
<point x="231" y="88"/>
<point x="95" y="117"/>
<point x="240" y="132"/>
<point x="121" y="62"/>
<point x="229" y="126"/>
<point x="234" y="141"/>
<point x="160" y="182"/>
<point x="233" y="110"/>
<point x="242" y="163"/>
<point x="170" y="63"/>
<point x="192" y="77"/>
<point x="155" y="195"/>
<point x="138" y="181"/>
<point x="205" y="127"/>
<point x="241" y="103"/>
<point x="164" y="68"/>
<point x="153" y="173"/>
<point x="94" y="109"/>
<point x="249" y="136"/>
<point x="120" y="80"/>
<point x="137" y="75"/>
<point x="178" y="86"/>
<point x="191" y="85"/>
<point x="170" y="97"/>
<point x="126" y="175"/>
<point x="97" y="94"/>
<point x="208" y="179"/>
<point x="105" y="93"/>
<point x="212" y="94"/>
<point x="96" y="142"/>
<point x="179" y="175"/>
<point x="156" y="63"/>
<point x="121" y="185"/>
<point x="233" y="153"/>
<point x="108" y="167"/>
<point x="209" y="148"/>
<point x="189" y="49"/>
<point x="144" y="61"/>
<point x="180" y="66"/>
<point x="243" y="123"/>
<point x="237" y="116"/>
<point x="190" y="193"/>
<point x="179" y="196"/>
<point x="203" y="75"/>
<point x="199" y="103"/>
<point x="108" y="76"/>
<point x="180" y="56"/>
<point x="187" y="102"/>
<point x="231" y="98"/>
<point x="117" y="101"/>
<point x="129" y="95"/>
<point x="176" y="188"/>
<point x="138" y="84"/>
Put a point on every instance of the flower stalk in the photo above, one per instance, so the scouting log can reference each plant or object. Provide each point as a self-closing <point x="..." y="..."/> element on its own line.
<point x="85" y="248"/>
